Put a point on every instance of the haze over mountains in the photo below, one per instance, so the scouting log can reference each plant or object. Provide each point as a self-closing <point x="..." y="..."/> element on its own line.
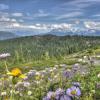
<point x="56" y="17"/>
<point x="59" y="32"/>
<point x="7" y="35"/>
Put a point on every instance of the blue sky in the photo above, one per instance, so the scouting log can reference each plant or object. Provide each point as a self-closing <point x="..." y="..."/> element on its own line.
<point x="44" y="15"/>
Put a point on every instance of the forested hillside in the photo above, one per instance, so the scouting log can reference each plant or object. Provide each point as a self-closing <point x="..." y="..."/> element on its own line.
<point x="38" y="47"/>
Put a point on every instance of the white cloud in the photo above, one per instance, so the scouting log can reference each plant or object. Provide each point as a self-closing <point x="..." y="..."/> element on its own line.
<point x="83" y="1"/>
<point x="17" y="14"/>
<point x="79" y="5"/>
<point x="13" y="20"/>
<point x="4" y="7"/>
<point x="41" y="13"/>
<point x="61" y="26"/>
<point x="4" y="14"/>
<point x="17" y="25"/>
<point x="3" y="18"/>
<point x="13" y="24"/>
<point x="70" y="15"/>
<point x="97" y="15"/>
<point x="92" y="25"/>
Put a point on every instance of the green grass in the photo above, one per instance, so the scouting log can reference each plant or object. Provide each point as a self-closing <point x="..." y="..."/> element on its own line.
<point x="38" y="53"/>
<point x="46" y="50"/>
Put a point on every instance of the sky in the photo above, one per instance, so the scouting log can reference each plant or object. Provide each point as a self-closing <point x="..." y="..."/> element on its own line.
<point x="45" y="15"/>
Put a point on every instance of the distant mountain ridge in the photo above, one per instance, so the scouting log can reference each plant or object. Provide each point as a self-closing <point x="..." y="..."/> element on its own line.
<point x="58" y="32"/>
<point x="7" y="35"/>
<point x="61" y="32"/>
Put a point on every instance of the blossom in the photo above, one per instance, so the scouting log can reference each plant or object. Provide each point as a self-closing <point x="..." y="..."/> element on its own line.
<point x="98" y="85"/>
<point x="73" y="91"/>
<point x="76" y="68"/>
<point x="50" y="96"/>
<point x="98" y="75"/>
<point x="62" y="65"/>
<point x="4" y="55"/>
<point x="26" y="84"/>
<point x="59" y="92"/>
<point x="38" y="76"/>
<point x="56" y="66"/>
<point x="29" y="93"/>
<point x="85" y="57"/>
<point x="80" y="60"/>
<point x="65" y="97"/>
<point x="77" y="84"/>
<point x="18" y="84"/>
<point x="15" y="72"/>
<point x="3" y="93"/>
<point x="30" y="74"/>
<point x="67" y="73"/>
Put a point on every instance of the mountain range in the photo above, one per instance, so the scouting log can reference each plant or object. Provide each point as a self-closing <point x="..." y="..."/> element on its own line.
<point x="62" y="32"/>
<point x="59" y="32"/>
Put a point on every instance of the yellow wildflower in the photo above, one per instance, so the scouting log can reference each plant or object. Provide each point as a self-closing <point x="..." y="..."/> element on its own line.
<point x="15" y="72"/>
<point x="22" y="76"/>
<point x="38" y="76"/>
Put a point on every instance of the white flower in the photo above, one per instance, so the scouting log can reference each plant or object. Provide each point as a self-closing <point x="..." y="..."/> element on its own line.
<point x="80" y="60"/>
<point x="85" y="57"/>
<point x="84" y="61"/>
<point x="77" y="64"/>
<point x="62" y="65"/>
<point x="56" y="65"/>
<point x="29" y="93"/>
<point x="33" y="71"/>
<point x="54" y="68"/>
<point x="26" y="84"/>
<point x="37" y="73"/>
<point x="55" y="76"/>
<point x="5" y="55"/>
<point x="16" y="92"/>
<point x="98" y="56"/>
<point x="99" y="75"/>
<point x="51" y="70"/>
<point x="3" y="93"/>
<point x="21" y="94"/>
<point x="37" y="82"/>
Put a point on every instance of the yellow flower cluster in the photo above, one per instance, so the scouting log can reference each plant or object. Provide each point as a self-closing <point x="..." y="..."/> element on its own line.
<point x="16" y="72"/>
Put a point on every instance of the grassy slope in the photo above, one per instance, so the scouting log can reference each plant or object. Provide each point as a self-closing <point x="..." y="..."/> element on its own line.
<point x="46" y="50"/>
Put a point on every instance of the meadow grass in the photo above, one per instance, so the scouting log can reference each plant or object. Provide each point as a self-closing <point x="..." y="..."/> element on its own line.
<point x="46" y="68"/>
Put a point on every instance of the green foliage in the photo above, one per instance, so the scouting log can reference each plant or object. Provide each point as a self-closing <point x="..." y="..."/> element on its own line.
<point x="44" y="52"/>
<point x="46" y="47"/>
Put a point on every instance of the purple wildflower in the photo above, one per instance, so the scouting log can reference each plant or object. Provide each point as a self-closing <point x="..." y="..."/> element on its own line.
<point x="31" y="73"/>
<point x="65" y="97"/>
<point x="67" y="73"/>
<point x="75" y="67"/>
<point x="73" y="91"/>
<point x="98" y="85"/>
<point x="77" y="84"/>
<point x="50" y="96"/>
<point x="58" y="93"/>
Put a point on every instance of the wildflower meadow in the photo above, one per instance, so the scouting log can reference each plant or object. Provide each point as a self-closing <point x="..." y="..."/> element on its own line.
<point x="79" y="80"/>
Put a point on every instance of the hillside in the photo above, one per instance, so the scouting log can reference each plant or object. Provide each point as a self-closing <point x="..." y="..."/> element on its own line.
<point x="37" y="47"/>
<point x="49" y="59"/>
